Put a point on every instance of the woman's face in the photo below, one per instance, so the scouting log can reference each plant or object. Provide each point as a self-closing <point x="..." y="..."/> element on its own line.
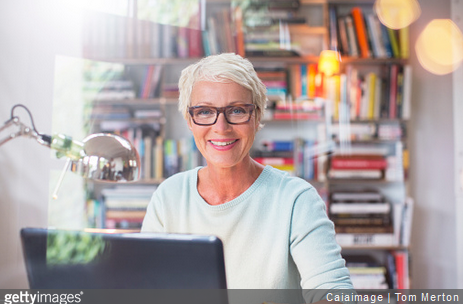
<point x="223" y="145"/>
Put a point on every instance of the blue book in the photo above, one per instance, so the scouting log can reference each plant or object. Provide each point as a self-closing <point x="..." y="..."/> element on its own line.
<point x="304" y="79"/>
<point x="386" y="41"/>
<point x="278" y="145"/>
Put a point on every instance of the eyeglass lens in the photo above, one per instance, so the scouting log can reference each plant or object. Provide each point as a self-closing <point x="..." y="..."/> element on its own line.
<point x="233" y="114"/>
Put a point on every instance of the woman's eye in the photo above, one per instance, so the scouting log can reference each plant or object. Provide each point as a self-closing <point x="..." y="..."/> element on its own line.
<point x="206" y="111"/>
<point x="238" y="110"/>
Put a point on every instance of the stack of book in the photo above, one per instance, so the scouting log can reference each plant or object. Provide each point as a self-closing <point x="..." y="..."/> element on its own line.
<point x="306" y="81"/>
<point x="275" y="80"/>
<point x="116" y="89"/>
<point x="266" y="23"/>
<point x="300" y="110"/>
<point x="359" y="33"/>
<point x="363" y="166"/>
<point x="278" y="154"/>
<point x="366" y="273"/>
<point x="125" y="207"/>
<point x="149" y="87"/>
<point x="361" y="218"/>
<point x="397" y="263"/>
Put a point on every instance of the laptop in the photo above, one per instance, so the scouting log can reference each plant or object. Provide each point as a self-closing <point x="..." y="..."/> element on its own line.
<point x="61" y="259"/>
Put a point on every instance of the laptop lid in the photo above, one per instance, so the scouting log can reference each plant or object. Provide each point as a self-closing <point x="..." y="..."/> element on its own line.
<point x="69" y="259"/>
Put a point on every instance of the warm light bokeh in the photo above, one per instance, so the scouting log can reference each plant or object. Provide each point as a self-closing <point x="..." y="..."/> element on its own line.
<point x="439" y="47"/>
<point x="329" y="62"/>
<point x="397" y="14"/>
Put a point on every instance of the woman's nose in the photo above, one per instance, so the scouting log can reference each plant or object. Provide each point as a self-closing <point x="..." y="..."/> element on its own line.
<point x="221" y="123"/>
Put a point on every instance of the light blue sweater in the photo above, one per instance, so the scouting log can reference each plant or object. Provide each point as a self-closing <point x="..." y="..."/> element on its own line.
<point x="276" y="234"/>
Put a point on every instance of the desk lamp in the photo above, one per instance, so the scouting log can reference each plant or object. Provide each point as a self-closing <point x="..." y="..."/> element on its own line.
<point x="103" y="157"/>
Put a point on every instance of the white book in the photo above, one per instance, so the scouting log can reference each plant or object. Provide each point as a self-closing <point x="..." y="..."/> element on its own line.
<point x="407" y="221"/>
<point x="351" y="36"/>
<point x="357" y="196"/>
<point x="368" y="174"/>
<point x="407" y="92"/>
<point x="365" y="239"/>
<point x="360" y="208"/>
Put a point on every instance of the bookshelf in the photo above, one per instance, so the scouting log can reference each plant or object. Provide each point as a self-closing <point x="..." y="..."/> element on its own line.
<point x="323" y="115"/>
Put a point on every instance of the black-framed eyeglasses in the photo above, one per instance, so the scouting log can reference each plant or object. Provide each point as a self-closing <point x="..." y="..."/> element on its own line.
<point x="235" y="114"/>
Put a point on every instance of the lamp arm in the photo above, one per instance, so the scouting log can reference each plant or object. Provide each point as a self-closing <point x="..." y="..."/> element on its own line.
<point x="21" y="130"/>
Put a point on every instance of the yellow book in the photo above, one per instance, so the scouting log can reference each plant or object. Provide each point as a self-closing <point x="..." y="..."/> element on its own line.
<point x="159" y="158"/>
<point x="404" y="48"/>
<point x="371" y="83"/>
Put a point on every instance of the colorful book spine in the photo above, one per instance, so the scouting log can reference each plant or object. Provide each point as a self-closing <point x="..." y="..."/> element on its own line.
<point x="361" y="31"/>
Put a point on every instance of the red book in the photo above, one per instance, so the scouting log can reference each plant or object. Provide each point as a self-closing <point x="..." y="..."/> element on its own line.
<point x="362" y="162"/>
<point x="401" y="264"/>
<point x="147" y="84"/>
<point x="361" y="31"/>
<point x="295" y="115"/>
<point x="274" y="160"/>
<point x="195" y="42"/>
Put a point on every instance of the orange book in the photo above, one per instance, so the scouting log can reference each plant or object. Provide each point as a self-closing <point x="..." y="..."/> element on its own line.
<point x="239" y="32"/>
<point x="311" y="74"/>
<point x="361" y="31"/>
<point x="295" y="75"/>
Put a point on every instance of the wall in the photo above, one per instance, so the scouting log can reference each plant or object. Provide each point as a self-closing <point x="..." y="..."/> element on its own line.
<point x="32" y="34"/>
<point x="457" y="16"/>
<point x="431" y="176"/>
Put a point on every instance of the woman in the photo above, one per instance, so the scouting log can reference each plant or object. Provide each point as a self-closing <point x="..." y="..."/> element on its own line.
<point x="274" y="227"/>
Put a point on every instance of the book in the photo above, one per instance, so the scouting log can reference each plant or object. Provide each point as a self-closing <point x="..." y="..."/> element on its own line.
<point x="407" y="219"/>
<point x="386" y="41"/>
<point x="365" y="239"/>
<point x="358" y="162"/>
<point x="133" y="215"/>
<point x="356" y="219"/>
<point x="277" y="145"/>
<point x="393" y="73"/>
<point x="404" y="39"/>
<point x="357" y="196"/>
<point x="343" y="36"/>
<point x="401" y="264"/>
<point x="374" y="30"/>
<point x="296" y="116"/>
<point x="364" y="229"/>
<point x="361" y="32"/>
<point x="238" y="15"/>
<point x="195" y="43"/>
<point x="275" y="160"/>
<point x="407" y="91"/>
<point x="360" y="208"/>
<point x="355" y="174"/>
<point x="394" y="42"/>
<point x="333" y="28"/>
<point x="351" y="37"/>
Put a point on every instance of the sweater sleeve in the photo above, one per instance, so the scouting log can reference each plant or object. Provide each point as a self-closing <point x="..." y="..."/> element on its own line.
<point x="313" y="245"/>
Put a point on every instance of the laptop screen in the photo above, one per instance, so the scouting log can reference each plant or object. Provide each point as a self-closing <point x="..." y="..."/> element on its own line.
<point x="69" y="259"/>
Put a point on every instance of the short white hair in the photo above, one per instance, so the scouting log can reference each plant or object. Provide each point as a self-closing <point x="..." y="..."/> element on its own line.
<point x="224" y="67"/>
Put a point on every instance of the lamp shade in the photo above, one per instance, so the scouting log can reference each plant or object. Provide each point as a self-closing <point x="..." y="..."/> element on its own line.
<point x="109" y="158"/>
